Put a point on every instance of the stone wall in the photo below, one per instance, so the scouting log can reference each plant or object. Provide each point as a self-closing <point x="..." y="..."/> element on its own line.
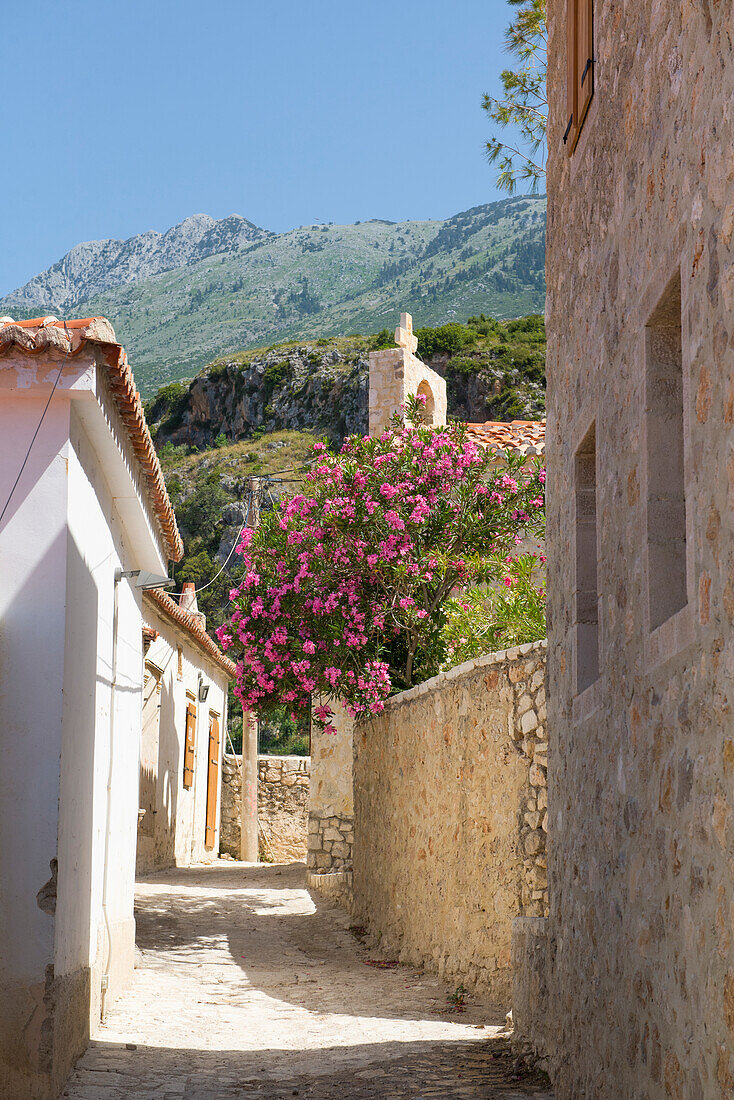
<point x="282" y="806"/>
<point x="231" y="805"/>
<point x="641" y="777"/>
<point x="331" y="808"/>
<point x="450" y="817"/>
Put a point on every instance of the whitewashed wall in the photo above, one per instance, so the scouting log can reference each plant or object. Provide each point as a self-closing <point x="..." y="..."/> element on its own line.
<point x="178" y="836"/>
<point x="61" y="540"/>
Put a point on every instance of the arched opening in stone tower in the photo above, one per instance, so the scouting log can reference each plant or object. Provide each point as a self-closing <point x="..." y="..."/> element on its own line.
<point x="429" y="409"/>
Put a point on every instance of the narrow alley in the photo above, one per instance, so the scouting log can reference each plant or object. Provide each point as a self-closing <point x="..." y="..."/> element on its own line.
<point x="246" y="987"/>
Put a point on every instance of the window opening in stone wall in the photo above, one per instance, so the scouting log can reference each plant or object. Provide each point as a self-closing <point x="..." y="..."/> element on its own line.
<point x="429" y="409"/>
<point x="579" y="67"/>
<point x="666" y="504"/>
<point x="586" y="591"/>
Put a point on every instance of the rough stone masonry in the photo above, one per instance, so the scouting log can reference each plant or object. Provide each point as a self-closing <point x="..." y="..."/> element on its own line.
<point x="282" y="806"/>
<point x="640" y="538"/>
<point x="451" y="816"/>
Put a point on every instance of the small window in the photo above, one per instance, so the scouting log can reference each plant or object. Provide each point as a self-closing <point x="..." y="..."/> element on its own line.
<point x="586" y="596"/>
<point x="579" y="67"/>
<point x="179" y="651"/>
<point x="666" y="502"/>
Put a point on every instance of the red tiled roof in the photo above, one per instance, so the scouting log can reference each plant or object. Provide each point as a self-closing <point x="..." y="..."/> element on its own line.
<point x="524" y="436"/>
<point x="191" y="623"/>
<point x="49" y="334"/>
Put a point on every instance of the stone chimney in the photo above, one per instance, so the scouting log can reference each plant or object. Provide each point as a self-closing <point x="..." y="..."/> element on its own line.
<point x="397" y="372"/>
<point x="187" y="602"/>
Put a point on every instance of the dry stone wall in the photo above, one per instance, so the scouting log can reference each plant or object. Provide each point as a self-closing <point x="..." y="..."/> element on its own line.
<point x="231" y="806"/>
<point x="450" y="817"/>
<point x="282" y="807"/>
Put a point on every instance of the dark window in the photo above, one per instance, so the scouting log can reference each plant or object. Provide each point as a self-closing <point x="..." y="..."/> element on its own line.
<point x="666" y="503"/>
<point x="586" y="594"/>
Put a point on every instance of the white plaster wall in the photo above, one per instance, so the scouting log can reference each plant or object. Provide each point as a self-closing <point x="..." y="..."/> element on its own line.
<point x="60" y="542"/>
<point x="182" y="813"/>
<point x="32" y="618"/>
<point x="97" y="827"/>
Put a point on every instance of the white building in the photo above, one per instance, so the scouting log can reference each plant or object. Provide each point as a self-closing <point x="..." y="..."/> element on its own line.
<point x="88" y="510"/>
<point x="184" y="723"/>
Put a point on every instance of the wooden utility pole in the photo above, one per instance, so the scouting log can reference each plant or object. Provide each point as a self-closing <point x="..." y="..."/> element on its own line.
<point x="248" y="804"/>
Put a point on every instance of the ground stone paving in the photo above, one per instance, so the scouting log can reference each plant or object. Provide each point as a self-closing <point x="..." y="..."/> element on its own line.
<point x="249" y="987"/>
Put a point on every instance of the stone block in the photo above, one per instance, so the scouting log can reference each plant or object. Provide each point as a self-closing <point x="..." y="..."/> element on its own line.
<point x="538" y="776"/>
<point x="528" y="722"/>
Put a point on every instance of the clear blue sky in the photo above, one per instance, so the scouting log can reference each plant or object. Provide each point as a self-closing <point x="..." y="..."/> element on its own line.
<point x="124" y="115"/>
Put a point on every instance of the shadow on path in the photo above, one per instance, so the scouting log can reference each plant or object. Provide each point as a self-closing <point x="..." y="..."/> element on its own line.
<point x="248" y="986"/>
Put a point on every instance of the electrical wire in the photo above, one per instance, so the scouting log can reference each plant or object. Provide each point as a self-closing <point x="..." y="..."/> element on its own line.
<point x="38" y="427"/>
<point x="234" y="544"/>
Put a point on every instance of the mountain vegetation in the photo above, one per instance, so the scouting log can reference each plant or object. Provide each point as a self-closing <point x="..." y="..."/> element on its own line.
<point x="206" y="288"/>
<point x="241" y="435"/>
<point x="494" y="370"/>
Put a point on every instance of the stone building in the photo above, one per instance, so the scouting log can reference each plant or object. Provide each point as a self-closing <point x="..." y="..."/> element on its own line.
<point x="184" y="719"/>
<point x="86" y="525"/>
<point x="640" y="452"/>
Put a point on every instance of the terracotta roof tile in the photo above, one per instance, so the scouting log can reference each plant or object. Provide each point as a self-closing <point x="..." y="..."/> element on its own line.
<point x="49" y="334"/>
<point x="191" y="623"/>
<point x="523" y="436"/>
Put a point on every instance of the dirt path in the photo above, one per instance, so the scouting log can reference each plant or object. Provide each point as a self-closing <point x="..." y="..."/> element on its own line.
<point x="247" y="987"/>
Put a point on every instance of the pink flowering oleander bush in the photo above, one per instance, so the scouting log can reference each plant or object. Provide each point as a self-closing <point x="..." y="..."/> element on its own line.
<point x="348" y="584"/>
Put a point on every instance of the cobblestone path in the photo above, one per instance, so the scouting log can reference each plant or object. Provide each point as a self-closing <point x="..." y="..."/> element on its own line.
<point x="247" y="987"/>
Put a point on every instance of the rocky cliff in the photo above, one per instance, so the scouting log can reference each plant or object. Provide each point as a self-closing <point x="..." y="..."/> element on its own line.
<point x="493" y="370"/>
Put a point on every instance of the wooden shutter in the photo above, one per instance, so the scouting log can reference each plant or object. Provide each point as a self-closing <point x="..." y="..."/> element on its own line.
<point x="189" y="746"/>
<point x="585" y="56"/>
<point x="212" y="783"/>
<point x="579" y="67"/>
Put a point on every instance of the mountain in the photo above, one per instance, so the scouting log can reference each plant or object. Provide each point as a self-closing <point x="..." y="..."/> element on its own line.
<point x="204" y="288"/>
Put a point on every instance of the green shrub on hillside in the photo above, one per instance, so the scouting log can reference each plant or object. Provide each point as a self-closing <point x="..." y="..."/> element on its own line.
<point x="445" y="340"/>
<point x="169" y="402"/>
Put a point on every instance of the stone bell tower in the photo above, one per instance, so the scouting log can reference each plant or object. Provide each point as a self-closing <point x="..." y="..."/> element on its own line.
<point x="397" y="372"/>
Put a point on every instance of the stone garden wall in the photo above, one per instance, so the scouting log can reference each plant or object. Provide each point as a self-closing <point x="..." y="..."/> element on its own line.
<point x="231" y="805"/>
<point x="282" y="807"/>
<point x="450" y="818"/>
<point x="331" y="812"/>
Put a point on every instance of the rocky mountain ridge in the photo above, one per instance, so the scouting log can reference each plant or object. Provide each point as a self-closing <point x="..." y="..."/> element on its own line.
<point x="206" y="288"/>
<point x="92" y="267"/>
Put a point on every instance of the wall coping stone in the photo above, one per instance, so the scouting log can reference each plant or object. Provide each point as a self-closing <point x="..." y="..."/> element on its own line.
<point x="501" y="657"/>
<point x="276" y="757"/>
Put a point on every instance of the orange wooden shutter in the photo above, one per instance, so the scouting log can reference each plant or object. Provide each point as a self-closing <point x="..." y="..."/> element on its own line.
<point x="579" y="67"/>
<point x="584" y="57"/>
<point x="188" y="774"/>
<point x="572" y="114"/>
<point x="212" y="784"/>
